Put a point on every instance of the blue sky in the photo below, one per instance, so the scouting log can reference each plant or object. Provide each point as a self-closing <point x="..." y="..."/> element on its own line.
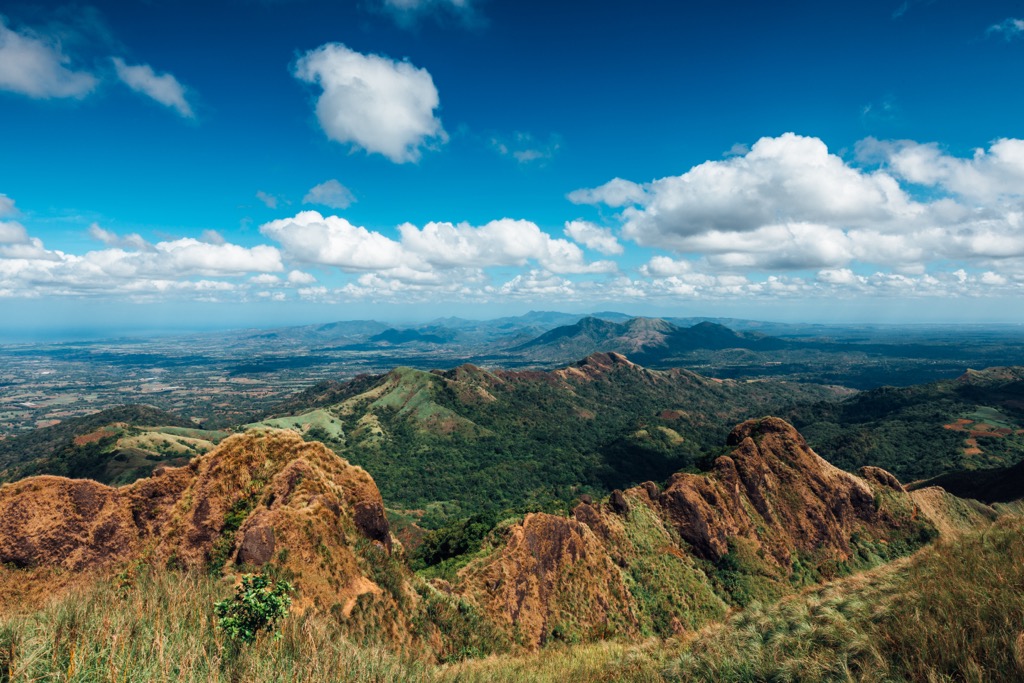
<point x="189" y="164"/>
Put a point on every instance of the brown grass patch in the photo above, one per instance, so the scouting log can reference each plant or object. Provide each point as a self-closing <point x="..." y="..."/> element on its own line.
<point x="92" y="437"/>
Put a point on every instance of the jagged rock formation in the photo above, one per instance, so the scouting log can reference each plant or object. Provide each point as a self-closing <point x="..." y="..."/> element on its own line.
<point x="259" y="497"/>
<point x="768" y="517"/>
<point x="552" y="565"/>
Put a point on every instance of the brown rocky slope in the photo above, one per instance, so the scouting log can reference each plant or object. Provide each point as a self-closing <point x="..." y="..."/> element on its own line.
<point x="770" y="516"/>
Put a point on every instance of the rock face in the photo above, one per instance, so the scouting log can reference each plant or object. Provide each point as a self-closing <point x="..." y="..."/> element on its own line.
<point x="769" y="516"/>
<point x="259" y="497"/>
<point x="648" y="560"/>
<point x="773" y="490"/>
<point x="553" y="574"/>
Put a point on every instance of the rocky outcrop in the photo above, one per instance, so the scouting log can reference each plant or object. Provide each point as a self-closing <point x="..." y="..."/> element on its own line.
<point x="668" y="560"/>
<point x="260" y="497"/>
<point x="553" y="576"/>
<point x="774" y="490"/>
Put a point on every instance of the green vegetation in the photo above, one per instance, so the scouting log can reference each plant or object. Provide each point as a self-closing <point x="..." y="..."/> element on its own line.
<point x="506" y="443"/>
<point x="912" y="431"/>
<point x="258" y="604"/>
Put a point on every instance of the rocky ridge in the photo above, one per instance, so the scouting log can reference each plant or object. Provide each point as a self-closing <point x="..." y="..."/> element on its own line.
<point x="769" y="516"/>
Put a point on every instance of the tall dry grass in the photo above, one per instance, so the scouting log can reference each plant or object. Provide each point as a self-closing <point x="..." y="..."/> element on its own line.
<point x="952" y="612"/>
<point x="161" y="628"/>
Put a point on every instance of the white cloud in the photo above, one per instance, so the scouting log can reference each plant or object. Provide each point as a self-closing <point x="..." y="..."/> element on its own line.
<point x="500" y="242"/>
<point x="112" y="239"/>
<point x="616" y="192"/>
<point x="311" y="238"/>
<point x="789" y="179"/>
<point x="663" y="266"/>
<point x="1009" y="28"/>
<point x="593" y="237"/>
<point x="298" y="277"/>
<point x="212" y="237"/>
<point x="167" y="268"/>
<point x="268" y="199"/>
<point x="789" y="205"/>
<point x="163" y="88"/>
<point x="12" y="232"/>
<point x="7" y="208"/>
<point x="839" y="276"/>
<point x="538" y="283"/>
<point x="985" y="176"/>
<point x="372" y="102"/>
<point x="34" y="65"/>
<point x="330" y="193"/>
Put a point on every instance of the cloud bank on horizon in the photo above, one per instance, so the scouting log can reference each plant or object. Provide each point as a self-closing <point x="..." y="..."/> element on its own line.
<point x="783" y="218"/>
<point x="786" y="219"/>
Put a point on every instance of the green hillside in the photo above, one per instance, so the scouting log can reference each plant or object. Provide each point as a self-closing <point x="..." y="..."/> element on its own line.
<point x="973" y="422"/>
<point x="114" y="446"/>
<point x="467" y="440"/>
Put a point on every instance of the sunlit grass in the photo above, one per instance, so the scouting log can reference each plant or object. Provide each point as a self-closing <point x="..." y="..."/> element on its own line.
<point x="952" y="612"/>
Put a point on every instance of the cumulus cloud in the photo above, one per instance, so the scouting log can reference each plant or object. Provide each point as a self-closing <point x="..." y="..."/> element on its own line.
<point x="789" y="204"/>
<point x="130" y="267"/>
<point x="1008" y="28"/>
<point x="593" y="237"/>
<point x="372" y="102"/>
<point x="986" y="176"/>
<point x="497" y="243"/>
<point x="792" y="178"/>
<point x="616" y="192"/>
<point x="7" y="208"/>
<point x="310" y="237"/>
<point x="12" y="232"/>
<point x="538" y="283"/>
<point x="163" y="88"/>
<point x="298" y="277"/>
<point x="663" y="266"/>
<point x="34" y="65"/>
<point x="112" y="239"/>
<point x="330" y="193"/>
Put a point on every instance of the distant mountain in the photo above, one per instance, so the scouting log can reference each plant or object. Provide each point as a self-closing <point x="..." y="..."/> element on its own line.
<point x="647" y="340"/>
<point x="435" y="335"/>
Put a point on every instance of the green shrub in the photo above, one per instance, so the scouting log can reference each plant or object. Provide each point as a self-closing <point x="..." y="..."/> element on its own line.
<point x="257" y="606"/>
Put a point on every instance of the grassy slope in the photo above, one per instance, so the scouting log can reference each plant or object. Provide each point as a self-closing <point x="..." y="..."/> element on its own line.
<point x="954" y="611"/>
